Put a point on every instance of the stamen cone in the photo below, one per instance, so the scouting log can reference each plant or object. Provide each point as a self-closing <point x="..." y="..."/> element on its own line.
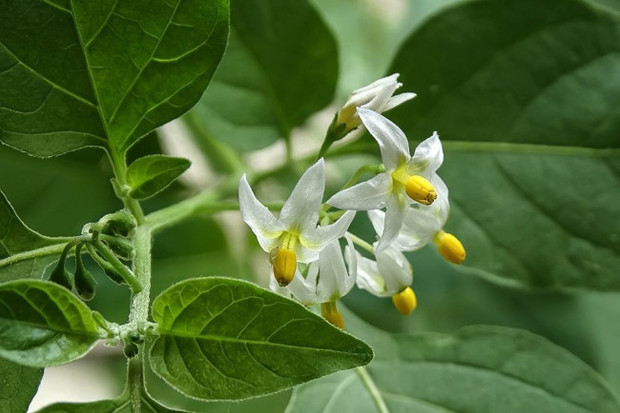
<point x="330" y="312"/>
<point x="420" y="190"/>
<point x="405" y="301"/>
<point x="284" y="265"/>
<point x="450" y="247"/>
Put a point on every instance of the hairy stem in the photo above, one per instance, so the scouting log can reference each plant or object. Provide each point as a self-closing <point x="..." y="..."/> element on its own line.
<point x="120" y="170"/>
<point x="370" y="385"/>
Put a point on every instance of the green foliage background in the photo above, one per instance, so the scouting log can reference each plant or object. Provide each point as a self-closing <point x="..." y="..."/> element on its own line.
<point x="524" y="95"/>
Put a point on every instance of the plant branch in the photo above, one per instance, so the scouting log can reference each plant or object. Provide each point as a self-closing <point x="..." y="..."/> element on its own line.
<point x="130" y="279"/>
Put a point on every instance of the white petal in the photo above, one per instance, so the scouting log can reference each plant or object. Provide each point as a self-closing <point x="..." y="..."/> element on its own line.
<point x="368" y="277"/>
<point x="407" y="239"/>
<point x="335" y="280"/>
<point x="427" y="158"/>
<point x="392" y="141"/>
<point x="442" y="201"/>
<point x="394" y="217"/>
<point x="262" y="222"/>
<point x="366" y="195"/>
<point x="301" y="209"/>
<point x="304" y="289"/>
<point x="420" y="225"/>
<point x="319" y="237"/>
<point x="395" y="270"/>
<point x="398" y="100"/>
<point x="378" y="83"/>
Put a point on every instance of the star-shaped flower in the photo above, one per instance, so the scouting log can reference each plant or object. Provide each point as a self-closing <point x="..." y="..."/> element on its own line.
<point x="406" y="178"/>
<point x="293" y="236"/>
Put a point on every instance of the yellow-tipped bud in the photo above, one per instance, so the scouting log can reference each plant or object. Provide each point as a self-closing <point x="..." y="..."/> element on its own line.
<point x="284" y="264"/>
<point x="347" y="117"/>
<point x="420" y="189"/>
<point x="405" y="301"/>
<point x="450" y="247"/>
<point x="330" y="312"/>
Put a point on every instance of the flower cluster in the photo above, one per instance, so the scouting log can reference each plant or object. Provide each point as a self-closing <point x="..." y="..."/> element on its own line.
<point x="407" y="204"/>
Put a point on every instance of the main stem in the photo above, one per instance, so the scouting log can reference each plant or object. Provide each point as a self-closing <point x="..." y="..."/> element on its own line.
<point x="139" y="307"/>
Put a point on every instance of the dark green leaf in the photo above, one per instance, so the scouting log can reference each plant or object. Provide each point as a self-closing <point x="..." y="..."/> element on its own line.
<point x="103" y="73"/>
<point x="477" y="369"/>
<point x="280" y="67"/>
<point x="18" y="384"/>
<point x="23" y="252"/>
<point x="527" y="71"/>
<point x="567" y="213"/>
<point x="153" y="173"/>
<point x="43" y="324"/>
<point x="229" y="339"/>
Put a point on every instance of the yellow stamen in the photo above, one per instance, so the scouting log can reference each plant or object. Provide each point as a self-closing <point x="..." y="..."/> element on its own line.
<point x="330" y="312"/>
<point x="405" y="301"/>
<point x="284" y="265"/>
<point x="420" y="189"/>
<point x="449" y="247"/>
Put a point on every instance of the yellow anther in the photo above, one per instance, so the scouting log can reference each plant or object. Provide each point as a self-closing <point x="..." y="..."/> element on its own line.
<point x="450" y="247"/>
<point x="405" y="301"/>
<point x="420" y="189"/>
<point x="347" y="116"/>
<point x="284" y="264"/>
<point x="330" y="312"/>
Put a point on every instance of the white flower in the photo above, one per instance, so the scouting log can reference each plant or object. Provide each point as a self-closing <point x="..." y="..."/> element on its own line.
<point x="293" y="236"/>
<point x="406" y="177"/>
<point x="390" y="275"/>
<point x="423" y="225"/>
<point x="376" y="96"/>
<point x="327" y="279"/>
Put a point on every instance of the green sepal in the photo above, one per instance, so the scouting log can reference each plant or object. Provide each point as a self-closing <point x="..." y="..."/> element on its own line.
<point x="60" y="275"/>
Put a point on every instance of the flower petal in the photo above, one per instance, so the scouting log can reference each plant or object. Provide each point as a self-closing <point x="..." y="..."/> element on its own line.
<point x="305" y="289"/>
<point x="318" y="238"/>
<point x="262" y="222"/>
<point x="408" y="238"/>
<point x="368" y="277"/>
<point x="427" y="158"/>
<point x="394" y="217"/>
<point x="301" y="209"/>
<point x="398" y="100"/>
<point x="395" y="270"/>
<point x="366" y="195"/>
<point x="392" y="141"/>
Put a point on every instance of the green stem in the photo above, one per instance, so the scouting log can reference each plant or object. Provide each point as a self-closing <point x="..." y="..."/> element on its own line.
<point x="357" y="240"/>
<point x="370" y="385"/>
<point x="373" y="169"/>
<point x="135" y="380"/>
<point x="120" y="170"/>
<point x="123" y="271"/>
<point x="36" y="253"/>
<point x="139" y="310"/>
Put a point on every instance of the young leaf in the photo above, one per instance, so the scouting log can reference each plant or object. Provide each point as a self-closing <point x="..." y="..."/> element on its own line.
<point x="105" y="73"/>
<point x="281" y="66"/>
<point x="43" y="324"/>
<point x="24" y="253"/>
<point x="229" y="339"/>
<point x="526" y="71"/>
<point x="19" y="384"/>
<point x="484" y="368"/>
<point x="153" y="173"/>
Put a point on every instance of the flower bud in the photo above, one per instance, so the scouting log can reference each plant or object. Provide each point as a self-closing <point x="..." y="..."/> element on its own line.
<point x="420" y="190"/>
<point x="450" y="247"/>
<point x="84" y="280"/>
<point x="405" y="301"/>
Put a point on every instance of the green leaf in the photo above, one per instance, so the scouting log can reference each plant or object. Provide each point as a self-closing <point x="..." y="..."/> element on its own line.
<point x="280" y="67"/>
<point x="570" y="237"/>
<point x="229" y="339"/>
<point x="82" y="73"/>
<point x="23" y="252"/>
<point x="120" y="405"/>
<point x="153" y="173"/>
<point x="526" y="71"/>
<point x="19" y="384"/>
<point x="476" y="369"/>
<point x="43" y="324"/>
<point x="533" y="86"/>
